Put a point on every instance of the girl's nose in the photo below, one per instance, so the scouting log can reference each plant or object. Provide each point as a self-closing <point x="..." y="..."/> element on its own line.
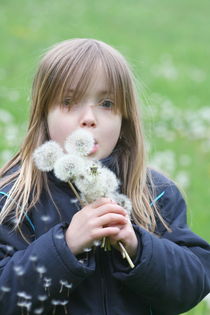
<point x="88" y="119"/>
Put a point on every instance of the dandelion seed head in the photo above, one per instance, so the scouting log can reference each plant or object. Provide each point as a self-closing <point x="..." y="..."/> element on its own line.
<point x="46" y="155"/>
<point x="80" y="141"/>
<point x="68" y="167"/>
<point x="123" y="201"/>
<point x="108" y="180"/>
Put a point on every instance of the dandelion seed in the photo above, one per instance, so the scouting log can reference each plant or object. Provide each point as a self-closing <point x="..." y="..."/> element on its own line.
<point x="55" y="303"/>
<point x="41" y="270"/>
<point x="73" y="200"/>
<point x="39" y="310"/>
<point x="80" y="141"/>
<point x="64" y="303"/>
<point x="45" y="218"/>
<point x="42" y="298"/>
<point x="59" y="236"/>
<point x="68" y="286"/>
<point x="68" y="167"/>
<point x="87" y="250"/>
<point x="63" y="283"/>
<point x="46" y="155"/>
<point x="47" y="284"/>
<point x="5" y="289"/>
<point x="21" y="294"/>
<point x="9" y="249"/>
<point x="97" y="243"/>
<point x="19" y="270"/>
<point x="28" y="297"/>
<point x="33" y="258"/>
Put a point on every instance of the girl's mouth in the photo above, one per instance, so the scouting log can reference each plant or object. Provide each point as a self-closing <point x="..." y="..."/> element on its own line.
<point x="95" y="148"/>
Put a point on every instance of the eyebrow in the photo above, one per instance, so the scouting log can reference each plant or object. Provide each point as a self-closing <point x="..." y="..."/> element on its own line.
<point x="100" y="92"/>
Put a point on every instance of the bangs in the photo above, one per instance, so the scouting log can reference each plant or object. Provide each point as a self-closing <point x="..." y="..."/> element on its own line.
<point x="75" y="70"/>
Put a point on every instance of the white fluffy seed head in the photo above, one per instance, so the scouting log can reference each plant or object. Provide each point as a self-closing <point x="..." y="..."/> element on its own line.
<point x="80" y="141"/>
<point x="123" y="201"/>
<point x="46" y="155"/>
<point x="68" y="167"/>
<point x="108" y="180"/>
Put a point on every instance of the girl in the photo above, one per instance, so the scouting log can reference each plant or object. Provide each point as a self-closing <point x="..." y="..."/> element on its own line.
<point x="45" y="267"/>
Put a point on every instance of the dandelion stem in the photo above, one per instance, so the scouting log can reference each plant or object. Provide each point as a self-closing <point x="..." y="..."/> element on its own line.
<point x="125" y="254"/>
<point x="76" y="193"/>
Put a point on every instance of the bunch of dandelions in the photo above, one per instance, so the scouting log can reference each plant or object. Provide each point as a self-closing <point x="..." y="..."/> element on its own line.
<point x="89" y="176"/>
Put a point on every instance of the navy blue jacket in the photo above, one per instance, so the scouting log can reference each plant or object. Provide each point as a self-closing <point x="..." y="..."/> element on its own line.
<point x="171" y="274"/>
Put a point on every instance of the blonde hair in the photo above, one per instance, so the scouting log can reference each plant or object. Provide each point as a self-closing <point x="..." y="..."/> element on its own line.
<point x="74" y="62"/>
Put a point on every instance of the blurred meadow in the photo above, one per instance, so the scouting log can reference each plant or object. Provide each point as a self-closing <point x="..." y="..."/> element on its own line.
<point x="168" y="45"/>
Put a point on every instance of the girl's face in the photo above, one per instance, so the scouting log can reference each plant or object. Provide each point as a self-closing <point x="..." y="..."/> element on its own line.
<point x="94" y="112"/>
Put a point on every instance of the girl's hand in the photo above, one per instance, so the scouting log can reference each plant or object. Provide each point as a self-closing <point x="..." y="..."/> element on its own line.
<point x="127" y="237"/>
<point x="93" y="222"/>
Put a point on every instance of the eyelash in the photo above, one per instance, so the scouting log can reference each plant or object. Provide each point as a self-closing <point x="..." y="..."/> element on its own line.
<point x="69" y="101"/>
<point x="106" y="101"/>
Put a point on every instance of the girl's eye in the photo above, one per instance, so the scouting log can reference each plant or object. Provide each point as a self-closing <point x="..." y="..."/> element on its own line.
<point x="107" y="104"/>
<point x="67" y="102"/>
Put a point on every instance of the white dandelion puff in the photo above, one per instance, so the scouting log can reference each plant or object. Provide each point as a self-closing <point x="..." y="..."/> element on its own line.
<point x="80" y="141"/>
<point x="123" y="201"/>
<point x="68" y="167"/>
<point x="107" y="180"/>
<point x="46" y="155"/>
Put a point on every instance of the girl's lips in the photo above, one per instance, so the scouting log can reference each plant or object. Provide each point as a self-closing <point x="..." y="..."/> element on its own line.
<point x="95" y="148"/>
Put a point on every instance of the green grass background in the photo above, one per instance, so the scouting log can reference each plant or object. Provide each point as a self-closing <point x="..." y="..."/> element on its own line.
<point x="148" y="33"/>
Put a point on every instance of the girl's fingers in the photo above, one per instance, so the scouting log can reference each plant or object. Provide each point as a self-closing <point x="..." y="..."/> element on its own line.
<point x="111" y="219"/>
<point x="105" y="232"/>
<point x="110" y="208"/>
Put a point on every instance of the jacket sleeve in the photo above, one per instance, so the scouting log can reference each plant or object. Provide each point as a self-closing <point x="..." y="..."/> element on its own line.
<point x="172" y="271"/>
<point x="40" y="274"/>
